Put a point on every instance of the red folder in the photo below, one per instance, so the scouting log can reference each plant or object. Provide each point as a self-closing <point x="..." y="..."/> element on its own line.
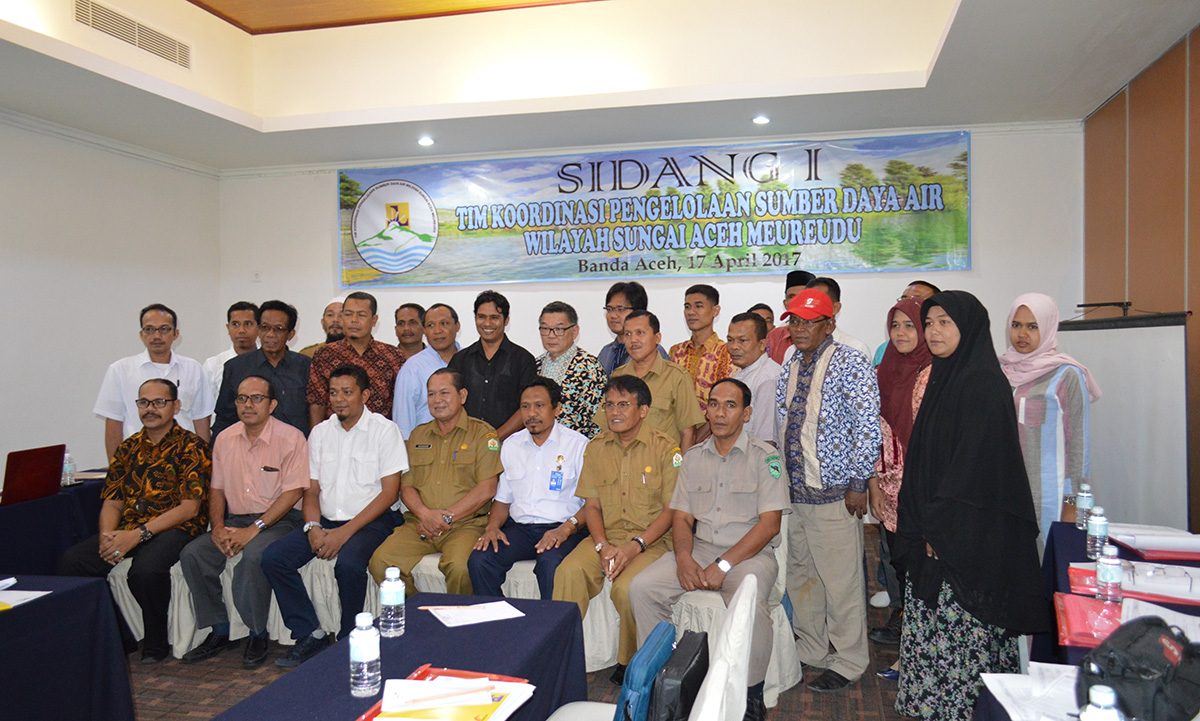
<point x="1083" y="621"/>
<point x="426" y="672"/>
<point x="1083" y="582"/>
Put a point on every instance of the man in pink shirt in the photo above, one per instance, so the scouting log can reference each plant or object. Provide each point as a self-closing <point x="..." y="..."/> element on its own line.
<point x="260" y="472"/>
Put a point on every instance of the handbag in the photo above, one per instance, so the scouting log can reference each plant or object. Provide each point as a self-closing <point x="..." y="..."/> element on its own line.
<point x="634" y="700"/>
<point x="1153" y="668"/>
<point x="679" y="681"/>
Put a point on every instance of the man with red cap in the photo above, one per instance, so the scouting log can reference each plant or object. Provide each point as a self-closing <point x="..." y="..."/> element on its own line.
<point x="827" y="428"/>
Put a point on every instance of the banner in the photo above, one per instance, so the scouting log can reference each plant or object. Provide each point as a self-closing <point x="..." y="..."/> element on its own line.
<point x="866" y="204"/>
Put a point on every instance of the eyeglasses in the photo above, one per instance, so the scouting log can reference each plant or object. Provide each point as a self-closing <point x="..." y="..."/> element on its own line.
<point x="556" y="332"/>
<point x="616" y="308"/>
<point x="163" y="329"/>
<point x="805" y="322"/>
<point x="909" y="297"/>
<point x="280" y="329"/>
<point x="242" y="400"/>
<point x="620" y="405"/>
<point x="158" y="403"/>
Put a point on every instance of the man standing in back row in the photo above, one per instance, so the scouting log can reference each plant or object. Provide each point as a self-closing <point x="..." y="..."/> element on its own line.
<point x="410" y="403"/>
<point x="704" y="355"/>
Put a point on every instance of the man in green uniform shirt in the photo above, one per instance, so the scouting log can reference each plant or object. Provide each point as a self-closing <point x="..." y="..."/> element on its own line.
<point x="674" y="410"/>
<point x="627" y="480"/>
<point x="455" y="464"/>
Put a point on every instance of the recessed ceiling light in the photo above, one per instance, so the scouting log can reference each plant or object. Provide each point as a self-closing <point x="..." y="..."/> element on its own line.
<point x="761" y="120"/>
<point x="425" y="141"/>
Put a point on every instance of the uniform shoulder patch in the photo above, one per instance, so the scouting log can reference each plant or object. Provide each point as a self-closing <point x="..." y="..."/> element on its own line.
<point x="774" y="466"/>
<point x="676" y="457"/>
<point x="493" y="442"/>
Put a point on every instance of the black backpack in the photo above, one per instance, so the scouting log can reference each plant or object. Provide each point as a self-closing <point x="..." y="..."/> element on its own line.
<point x="1152" y="667"/>
<point x="678" y="682"/>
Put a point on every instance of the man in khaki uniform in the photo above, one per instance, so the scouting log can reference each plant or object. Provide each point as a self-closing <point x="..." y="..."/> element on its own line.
<point x="455" y="464"/>
<point x="731" y="490"/>
<point x="674" y="410"/>
<point x="627" y="479"/>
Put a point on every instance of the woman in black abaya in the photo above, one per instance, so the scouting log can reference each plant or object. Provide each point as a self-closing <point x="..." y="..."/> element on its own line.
<point x="966" y="532"/>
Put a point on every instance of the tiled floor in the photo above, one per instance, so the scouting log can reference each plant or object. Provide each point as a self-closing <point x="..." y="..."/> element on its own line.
<point x="173" y="691"/>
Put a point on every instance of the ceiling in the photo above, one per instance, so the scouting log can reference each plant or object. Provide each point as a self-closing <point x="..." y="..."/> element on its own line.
<point x="280" y="16"/>
<point x="1003" y="61"/>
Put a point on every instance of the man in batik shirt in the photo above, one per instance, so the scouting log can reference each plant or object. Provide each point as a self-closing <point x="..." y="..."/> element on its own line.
<point x="576" y="371"/>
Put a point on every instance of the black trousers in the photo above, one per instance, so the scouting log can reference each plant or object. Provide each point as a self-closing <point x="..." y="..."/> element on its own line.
<point x="149" y="581"/>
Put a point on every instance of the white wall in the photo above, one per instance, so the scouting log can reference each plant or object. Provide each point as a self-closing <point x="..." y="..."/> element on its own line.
<point x="1027" y="235"/>
<point x="88" y="236"/>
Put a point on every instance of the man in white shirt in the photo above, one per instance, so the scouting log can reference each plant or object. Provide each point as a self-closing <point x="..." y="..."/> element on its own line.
<point x="534" y="516"/>
<point x="410" y="405"/>
<point x="355" y="461"/>
<point x="747" y="344"/>
<point x="118" y="392"/>
<point x="242" y="328"/>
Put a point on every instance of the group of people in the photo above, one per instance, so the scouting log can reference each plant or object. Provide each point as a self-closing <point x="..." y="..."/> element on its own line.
<point x="676" y="465"/>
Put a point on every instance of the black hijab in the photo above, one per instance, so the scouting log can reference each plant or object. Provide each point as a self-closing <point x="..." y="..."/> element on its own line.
<point x="965" y="490"/>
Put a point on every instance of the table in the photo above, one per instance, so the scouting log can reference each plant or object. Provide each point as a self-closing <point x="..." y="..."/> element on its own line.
<point x="35" y="534"/>
<point x="545" y="646"/>
<point x="62" y="655"/>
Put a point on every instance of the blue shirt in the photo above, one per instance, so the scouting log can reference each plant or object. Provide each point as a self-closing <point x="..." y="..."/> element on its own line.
<point x="848" y="432"/>
<point x="614" y="355"/>
<point x="410" y="404"/>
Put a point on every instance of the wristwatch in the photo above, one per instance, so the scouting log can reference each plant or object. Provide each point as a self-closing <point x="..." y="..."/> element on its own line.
<point x="573" y="521"/>
<point x="448" y="518"/>
<point x="600" y="545"/>
<point x="638" y="540"/>
<point x="311" y="525"/>
<point x="724" y="565"/>
<point x="258" y="523"/>
<point x="147" y="534"/>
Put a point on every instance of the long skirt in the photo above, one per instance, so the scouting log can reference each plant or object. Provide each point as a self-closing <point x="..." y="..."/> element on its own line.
<point x="943" y="649"/>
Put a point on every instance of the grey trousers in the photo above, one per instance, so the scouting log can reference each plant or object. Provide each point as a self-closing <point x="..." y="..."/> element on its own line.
<point x="825" y="582"/>
<point x="202" y="564"/>
<point x="655" y="590"/>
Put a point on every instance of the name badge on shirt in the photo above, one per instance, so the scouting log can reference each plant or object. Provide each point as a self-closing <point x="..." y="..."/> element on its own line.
<point x="556" y="478"/>
<point x="424" y="446"/>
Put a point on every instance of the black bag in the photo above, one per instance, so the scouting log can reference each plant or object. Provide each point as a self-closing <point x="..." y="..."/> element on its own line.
<point x="678" y="682"/>
<point x="1152" y="667"/>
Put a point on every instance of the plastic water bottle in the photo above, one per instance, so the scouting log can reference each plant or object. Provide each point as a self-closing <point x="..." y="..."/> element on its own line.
<point x="1097" y="532"/>
<point x="1108" y="576"/>
<point x="68" y="475"/>
<point x="1101" y="705"/>
<point x="391" y="604"/>
<point x="366" y="676"/>
<point x="1084" y="500"/>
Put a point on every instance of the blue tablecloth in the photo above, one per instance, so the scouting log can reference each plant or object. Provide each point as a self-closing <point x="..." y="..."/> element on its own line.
<point x="544" y="646"/>
<point x="60" y="654"/>
<point x="34" y="534"/>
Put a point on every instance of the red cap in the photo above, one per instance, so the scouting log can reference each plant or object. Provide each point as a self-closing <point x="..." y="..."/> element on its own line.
<point x="809" y="304"/>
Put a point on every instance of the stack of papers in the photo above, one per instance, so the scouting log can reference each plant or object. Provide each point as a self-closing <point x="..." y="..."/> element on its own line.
<point x="1147" y="580"/>
<point x="478" y="613"/>
<point x="1156" y="542"/>
<point x="1047" y="692"/>
<point x="452" y="699"/>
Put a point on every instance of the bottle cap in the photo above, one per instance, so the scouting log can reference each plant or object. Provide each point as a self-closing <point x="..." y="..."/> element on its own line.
<point x="364" y="619"/>
<point x="1110" y="551"/>
<point x="392" y="573"/>
<point x="1085" y="487"/>
<point x="1097" y="510"/>
<point x="1101" y="695"/>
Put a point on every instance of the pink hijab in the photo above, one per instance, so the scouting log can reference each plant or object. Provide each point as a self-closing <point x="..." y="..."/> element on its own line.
<point x="1022" y="368"/>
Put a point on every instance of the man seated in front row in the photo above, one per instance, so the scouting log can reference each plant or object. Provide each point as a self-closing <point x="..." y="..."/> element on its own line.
<point x="455" y="466"/>
<point x="260" y="472"/>
<point x="153" y="506"/>
<point x="535" y="516"/>
<point x="731" y="491"/>
<point x="355" y="459"/>
<point x="627" y="480"/>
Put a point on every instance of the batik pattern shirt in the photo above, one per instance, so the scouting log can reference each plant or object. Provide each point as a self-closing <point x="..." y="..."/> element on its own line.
<point x="381" y="362"/>
<point x="150" y="479"/>
<point x="583" y="389"/>
<point x="706" y="363"/>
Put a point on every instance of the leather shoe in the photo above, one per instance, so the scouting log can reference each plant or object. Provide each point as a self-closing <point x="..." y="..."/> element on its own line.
<point x="255" y="653"/>
<point x="829" y="682"/>
<point x="210" y="647"/>
<point x="305" y="649"/>
<point x="885" y="635"/>
<point x="618" y="675"/>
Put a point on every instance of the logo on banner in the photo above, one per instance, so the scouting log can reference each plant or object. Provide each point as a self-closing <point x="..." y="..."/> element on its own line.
<point x="394" y="226"/>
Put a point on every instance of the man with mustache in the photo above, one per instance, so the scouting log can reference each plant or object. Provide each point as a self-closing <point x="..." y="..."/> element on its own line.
<point x="410" y="329"/>
<point x="331" y="325"/>
<point x="410" y="406"/>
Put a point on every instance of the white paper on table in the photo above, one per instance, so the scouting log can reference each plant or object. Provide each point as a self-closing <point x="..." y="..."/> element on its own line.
<point x="7" y="582"/>
<point x="1047" y="692"/>
<point x="1133" y="608"/>
<point x="478" y="613"/>
<point x="16" y="598"/>
<point x="515" y="694"/>
<point x="1154" y="538"/>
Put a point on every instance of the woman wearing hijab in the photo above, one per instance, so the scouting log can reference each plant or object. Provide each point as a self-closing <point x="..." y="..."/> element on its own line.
<point x="1052" y="392"/>
<point x="902" y="375"/>
<point x="966" y="532"/>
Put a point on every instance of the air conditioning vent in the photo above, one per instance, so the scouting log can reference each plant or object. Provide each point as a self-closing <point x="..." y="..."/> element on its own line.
<point x="125" y="28"/>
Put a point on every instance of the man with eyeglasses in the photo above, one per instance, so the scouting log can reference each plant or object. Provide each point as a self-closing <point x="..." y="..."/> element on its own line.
<point x="622" y="299"/>
<point x="410" y="406"/>
<point x="577" y="372"/>
<point x="241" y="323"/>
<point x="154" y="505"/>
<point x="360" y="313"/>
<point x="287" y="370"/>
<point x="626" y="484"/>
<point x="159" y="331"/>
<point x="259" y="473"/>
<point x="778" y="340"/>
<point x="827" y="425"/>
